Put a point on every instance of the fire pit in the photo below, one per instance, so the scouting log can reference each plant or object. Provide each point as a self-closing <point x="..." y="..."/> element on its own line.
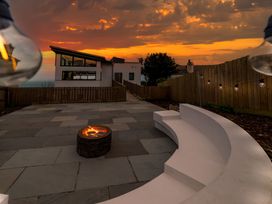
<point x="93" y="141"/>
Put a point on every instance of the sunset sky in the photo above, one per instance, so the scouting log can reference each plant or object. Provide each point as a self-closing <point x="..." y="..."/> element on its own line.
<point x="207" y="31"/>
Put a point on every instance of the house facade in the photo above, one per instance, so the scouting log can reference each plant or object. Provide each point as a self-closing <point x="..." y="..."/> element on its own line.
<point x="77" y="69"/>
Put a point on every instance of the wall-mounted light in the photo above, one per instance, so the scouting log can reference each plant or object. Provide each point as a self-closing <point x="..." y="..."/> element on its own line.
<point x="261" y="83"/>
<point x="220" y="86"/>
<point x="201" y="76"/>
<point x="209" y="82"/>
<point x="236" y="87"/>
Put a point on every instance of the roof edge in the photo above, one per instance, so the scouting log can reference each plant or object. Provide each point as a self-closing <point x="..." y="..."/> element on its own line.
<point x="59" y="50"/>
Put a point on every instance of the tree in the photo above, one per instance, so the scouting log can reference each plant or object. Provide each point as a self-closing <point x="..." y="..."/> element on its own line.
<point x="158" y="67"/>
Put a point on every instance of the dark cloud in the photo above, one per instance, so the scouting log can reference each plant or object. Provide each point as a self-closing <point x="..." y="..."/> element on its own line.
<point x="252" y="4"/>
<point x="130" y="5"/>
<point x="170" y="21"/>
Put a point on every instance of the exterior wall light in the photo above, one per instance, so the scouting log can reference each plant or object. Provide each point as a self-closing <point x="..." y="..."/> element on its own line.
<point x="201" y="76"/>
<point x="220" y="86"/>
<point x="261" y="83"/>
<point x="236" y="87"/>
<point x="261" y="58"/>
<point x="20" y="59"/>
<point x="209" y="82"/>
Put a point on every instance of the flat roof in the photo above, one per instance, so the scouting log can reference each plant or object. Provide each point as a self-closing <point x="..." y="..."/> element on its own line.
<point x="59" y="50"/>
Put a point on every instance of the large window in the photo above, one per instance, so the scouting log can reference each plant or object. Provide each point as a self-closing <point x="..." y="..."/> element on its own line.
<point x="72" y="75"/>
<point x="66" y="60"/>
<point x="131" y="76"/>
<point x="69" y="61"/>
<point x="78" y="62"/>
<point x="90" y="63"/>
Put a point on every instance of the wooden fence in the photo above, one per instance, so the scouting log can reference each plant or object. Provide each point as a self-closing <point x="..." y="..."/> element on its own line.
<point x="215" y="84"/>
<point x="28" y="96"/>
<point x="148" y="92"/>
<point x="2" y="99"/>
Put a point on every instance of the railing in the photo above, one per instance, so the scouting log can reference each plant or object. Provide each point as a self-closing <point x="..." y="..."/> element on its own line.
<point x="148" y="92"/>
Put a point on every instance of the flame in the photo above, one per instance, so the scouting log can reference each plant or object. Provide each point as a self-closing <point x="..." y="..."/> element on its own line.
<point x="92" y="131"/>
<point x="3" y="50"/>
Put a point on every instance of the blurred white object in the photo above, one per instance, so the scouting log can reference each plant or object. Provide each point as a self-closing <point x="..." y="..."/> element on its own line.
<point x="20" y="59"/>
<point x="261" y="58"/>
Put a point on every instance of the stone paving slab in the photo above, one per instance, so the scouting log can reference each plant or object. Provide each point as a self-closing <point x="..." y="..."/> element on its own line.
<point x="143" y="110"/>
<point x="111" y="114"/>
<point x="124" y="120"/>
<point x="69" y="154"/>
<point x="125" y="136"/>
<point x="125" y="148"/>
<point x="137" y="134"/>
<point x="40" y="119"/>
<point x="20" y="143"/>
<point x="119" y="190"/>
<point x="57" y="131"/>
<point x="18" y="132"/>
<point x="100" y="121"/>
<point x="5" y="156"/>
<point x="88" y="116"/>
<point x="48" y="109"/>
<point x="32" y="157"/>
<point x="105" y="172"/>
<point x="55" y="141"/>
<point x="24" y="112"/>
<point x="3" y="132"/>
<point x="143" y="116"/>
<point x="159" y="145"/>
<point x="56" y="181"/>
<point x="147" y="167"/>
<point x="24" y="201"/>
<point x="117" y="126"/>
<point x="141" y="125"/>
<point x="43" y="180"/>
<point x="63" y="118"/>
<point x="77" y="197"/>
<point x="23" y="124"/>
<point x="73" y="123"/>
<point x="8" y="177"/>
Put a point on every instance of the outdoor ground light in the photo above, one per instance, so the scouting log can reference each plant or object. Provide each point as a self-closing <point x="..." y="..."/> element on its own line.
<point x="236" y="87"/>
<point x="261" y="83"/>
<point x="261" y="58"/>
<point x="20" y="59"/>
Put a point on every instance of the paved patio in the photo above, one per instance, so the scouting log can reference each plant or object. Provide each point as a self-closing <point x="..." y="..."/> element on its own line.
<point x="39" y="163"/>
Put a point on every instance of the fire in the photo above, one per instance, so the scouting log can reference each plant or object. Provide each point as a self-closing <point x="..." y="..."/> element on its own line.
<point x="92" y="131"/>
<point x="3" y="50"/>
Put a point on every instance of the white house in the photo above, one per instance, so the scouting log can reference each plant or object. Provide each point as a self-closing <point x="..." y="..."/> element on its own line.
<point x="77" y="69"/>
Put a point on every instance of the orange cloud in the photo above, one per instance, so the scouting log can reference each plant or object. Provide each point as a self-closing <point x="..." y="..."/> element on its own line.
<point x="70" y="28"/>
<point x="107" y="24"/>
<point x="192" y="19"/>
<point x="175" y="50"/>
<point x="65" y="42"/>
